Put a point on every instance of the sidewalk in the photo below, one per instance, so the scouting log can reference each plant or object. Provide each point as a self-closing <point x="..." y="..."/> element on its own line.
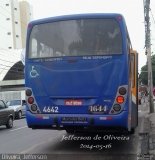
<point x="146" y="132"/>
<point x="149" y="128"/>
<point x="151" y="118"/>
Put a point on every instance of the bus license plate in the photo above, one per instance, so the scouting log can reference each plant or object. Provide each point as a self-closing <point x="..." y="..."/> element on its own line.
<point x="73" y="119"/>
<point x="73" y="102"/>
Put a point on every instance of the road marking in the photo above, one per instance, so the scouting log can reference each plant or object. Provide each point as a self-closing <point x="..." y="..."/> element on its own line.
<point x="18" y="128"/>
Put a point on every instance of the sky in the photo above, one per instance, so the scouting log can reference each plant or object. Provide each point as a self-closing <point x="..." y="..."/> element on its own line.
<point x="132" y="10"/>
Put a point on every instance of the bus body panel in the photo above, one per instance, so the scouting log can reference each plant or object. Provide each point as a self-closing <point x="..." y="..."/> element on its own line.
<point x="91" y="86"/>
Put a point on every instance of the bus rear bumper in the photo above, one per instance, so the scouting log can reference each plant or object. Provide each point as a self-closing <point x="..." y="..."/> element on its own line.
<point x="63" y="121"/>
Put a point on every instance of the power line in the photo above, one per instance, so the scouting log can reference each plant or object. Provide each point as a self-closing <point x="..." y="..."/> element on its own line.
<point x="7" y="61"/>
<point x="11" y="66"/>
<point x="14" y="71"/>
<point x="18" y="70"/>
<point x="1" y="49"/>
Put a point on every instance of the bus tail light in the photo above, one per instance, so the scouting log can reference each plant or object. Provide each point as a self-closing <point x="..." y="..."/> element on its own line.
<point x="30" y="100"/>
<point x="120" y="99"/>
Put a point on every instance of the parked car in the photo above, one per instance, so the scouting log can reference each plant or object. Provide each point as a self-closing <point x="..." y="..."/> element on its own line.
<point x="6" y="115"/>
<point x="19" y="107"/>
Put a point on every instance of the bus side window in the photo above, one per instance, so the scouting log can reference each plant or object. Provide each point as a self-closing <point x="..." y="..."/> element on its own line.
<point x="34" y="48"/>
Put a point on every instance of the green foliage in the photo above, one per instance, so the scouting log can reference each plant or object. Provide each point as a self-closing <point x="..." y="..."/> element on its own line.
<point x="143" y="77"/>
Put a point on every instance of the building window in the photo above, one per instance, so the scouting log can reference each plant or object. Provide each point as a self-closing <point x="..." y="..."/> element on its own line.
<point x="15" y="9"/>
<point x="7" y="4"/>
<point x="9" y="33"/>
<point x="17" y="36"/>
<point x="10" y="47"/>
<point x="16" y="22"/>
<point x="7" y="19"/>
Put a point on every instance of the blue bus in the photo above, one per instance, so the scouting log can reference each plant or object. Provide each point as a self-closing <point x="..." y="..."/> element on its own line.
<point x="81" y="74"/>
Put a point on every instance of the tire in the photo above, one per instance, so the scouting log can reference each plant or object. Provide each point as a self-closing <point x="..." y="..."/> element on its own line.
<point x="9" y="123"/>
<point x="70" y="131"/>
<point x="132" y="131"/>
<point x="19" y="116"/>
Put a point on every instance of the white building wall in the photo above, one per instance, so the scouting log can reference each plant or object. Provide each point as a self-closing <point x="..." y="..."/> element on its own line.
<point x="6" y="25"/>
<point x="16" y="23"/>
<point x="25" y="17"/>
<point x="10" y="34"/>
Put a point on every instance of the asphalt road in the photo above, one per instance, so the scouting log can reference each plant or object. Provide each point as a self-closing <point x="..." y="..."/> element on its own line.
<point x="60" y="145"/>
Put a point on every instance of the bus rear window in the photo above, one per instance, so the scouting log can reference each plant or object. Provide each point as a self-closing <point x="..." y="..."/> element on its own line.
<point x="75" y="38"/>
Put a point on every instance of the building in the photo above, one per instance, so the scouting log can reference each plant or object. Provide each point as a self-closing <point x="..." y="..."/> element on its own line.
<point x="25" y="17"/>
<point x="11" y="70"/>
<point x="10" y="34"/>
<point x="14" y="18"/>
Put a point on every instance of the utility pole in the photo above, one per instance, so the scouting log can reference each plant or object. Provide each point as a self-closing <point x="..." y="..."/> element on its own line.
<point x="148" y="51"/>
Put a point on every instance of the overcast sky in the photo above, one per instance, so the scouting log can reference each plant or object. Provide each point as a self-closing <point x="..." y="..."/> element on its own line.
<point x="131" y="9"/>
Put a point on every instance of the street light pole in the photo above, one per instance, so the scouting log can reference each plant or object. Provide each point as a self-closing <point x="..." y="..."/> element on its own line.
<point x="148" y="52"/>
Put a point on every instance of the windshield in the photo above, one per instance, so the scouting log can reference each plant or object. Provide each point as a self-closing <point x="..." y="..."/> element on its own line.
<point x="14" y="102"/>
<point x="76" y="38"/>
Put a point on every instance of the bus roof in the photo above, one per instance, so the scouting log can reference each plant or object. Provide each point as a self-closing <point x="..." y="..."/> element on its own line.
<point x="76" y="16"/>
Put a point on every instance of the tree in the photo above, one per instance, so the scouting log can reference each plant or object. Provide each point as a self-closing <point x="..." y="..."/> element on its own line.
<point x="143" y="77"/>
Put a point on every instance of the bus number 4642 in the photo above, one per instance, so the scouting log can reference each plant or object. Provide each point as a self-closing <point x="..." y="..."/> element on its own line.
<point x="50" y="109"/>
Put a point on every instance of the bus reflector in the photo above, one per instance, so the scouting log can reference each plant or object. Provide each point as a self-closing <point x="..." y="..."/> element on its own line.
<point x="122" y="91"/>
<point x="120" y="99"/>
<point x="30" y="100"/>
<point x="117" y="107"/>
<point x="28" y="92"/>
<point x="105" y="118"/>
<point x="109" y="118"/>
<point x="119" y="18"/>
<point x="33" y="107"/>
<point x="39" y="116"/>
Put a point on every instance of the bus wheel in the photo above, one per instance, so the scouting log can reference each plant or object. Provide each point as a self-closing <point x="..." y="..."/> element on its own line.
<point x="70" y="131"/>
<point x="132" y="131"/>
